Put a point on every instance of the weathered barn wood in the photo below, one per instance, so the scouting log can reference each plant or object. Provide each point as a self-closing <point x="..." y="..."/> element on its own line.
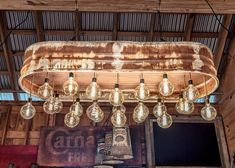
<point x="183" y="6"/>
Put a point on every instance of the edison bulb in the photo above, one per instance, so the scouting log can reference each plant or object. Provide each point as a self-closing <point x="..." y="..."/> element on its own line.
<point x="71" y="120"/>
<point x="116" y="97"/>
<point x="191" y="93"/>
<point x="165" y="87"/>
<point x="70" y="86"/>
<point x="95" y="113"/>
<point x="118" y="119"/>
<point x="142" y="92"/>
<point x="28" y="110"/>
<point x="208" y="112"/>
<point x="93" y="91"/>
<point x="159" y="109"/>
<point x="183" y="106"/>
<point x="53" y="105"/>
<point x="122" y="108"/>
<point x="45" y="90"/>
<point x="140" y="113"/>
<point x="76" y="108"/>
<point x="165" y="121"/>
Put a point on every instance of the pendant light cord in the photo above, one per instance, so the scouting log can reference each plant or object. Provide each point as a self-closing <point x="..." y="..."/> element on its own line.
<point x="159" y="21"/>
<point x="216" y="16"/>
<point x="206" y="88"/>
<point x="18" y="25"/>
<point x="31" y="86"/>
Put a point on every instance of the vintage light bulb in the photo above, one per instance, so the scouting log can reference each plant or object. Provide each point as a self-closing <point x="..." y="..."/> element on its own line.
<point x="165" y="121"/>
<point x="76" y="108"/>
<point x="140" y="113"/>
<point x="45" y="90"/>
<point x="116" y="97"/>
<point x="95" y="113"/>
<point x="93" y="91"/>
<point x="208" y="112"/>
<point x="71" y="120"/>
<point x="53" y="105"/>
<point x="191" y="92"/>
<point x="159" y="109"/>
<point x="165" y="87"/>
<point x="121" y="107"/>
<point x="70" y="86"/>
<point x="118" y="119"/>
<point x="183" y="106"/>
<point x="142" y="92"/>
<point x="28" y="110"/>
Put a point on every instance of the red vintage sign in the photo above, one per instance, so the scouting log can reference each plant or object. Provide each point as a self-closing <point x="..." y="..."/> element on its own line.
<point x="60" y="146"/>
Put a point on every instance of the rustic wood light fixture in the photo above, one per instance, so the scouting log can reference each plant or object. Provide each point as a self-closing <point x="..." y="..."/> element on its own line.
<point x="129" y="59"/>
<point x="146" y="71"/>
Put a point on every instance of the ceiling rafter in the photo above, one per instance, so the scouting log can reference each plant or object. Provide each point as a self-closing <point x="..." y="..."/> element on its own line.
<point x="40" y="33"/>
<point x="222" y="39"/>
<point x="189" y="27"/>
<point x="7" y="54"/>
<point x="168" y="6"/>
<point x="121" y="33"/>
<point x="77" y="25"/>
<point x="116" y="19"/>
<point x="228" y="79"/>
<point x="152" y="26"/>
<point x="39" y="26"/>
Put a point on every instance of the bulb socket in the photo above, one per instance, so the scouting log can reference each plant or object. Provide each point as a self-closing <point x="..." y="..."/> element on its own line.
<point x="165" y="75"/>
<point x="159" y="100"/>
<point x="46" y="80"/>
<point x="180" y="95"/>
<point x="95" y="101"/>
<point x="190" y="82"/>
<point x="207" y="100"/>
<point x="71" y="75"/>
<point x="77" y="99"/>
<point x="94" y="79"/>
<point x="142" y="80"/>
<point x="56" y="95"/>
<point x="29" y="99"/>
<point x="116" y="85"/>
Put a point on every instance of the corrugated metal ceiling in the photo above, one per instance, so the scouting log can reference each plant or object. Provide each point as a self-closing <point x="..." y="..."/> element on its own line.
<point x="98" y="21"/>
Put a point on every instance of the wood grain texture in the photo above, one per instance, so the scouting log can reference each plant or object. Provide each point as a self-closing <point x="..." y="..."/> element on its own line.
<point x="222" y="40"/>
<point x="182" y="6"/>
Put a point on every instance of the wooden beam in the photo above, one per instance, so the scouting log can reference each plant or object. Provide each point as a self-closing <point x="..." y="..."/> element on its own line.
<point x="39" y="25"/>
<point x="227" y="83"/>
<point x="116" y="19"/>
<point x="77" y="25"/>
<point x="152" y="26"/>
<point x="121" y="33"/>
<point x="7" y="53"/>
<point x="222" y="40"/>
<point x="189" y="27"/>
<point x="169" y="6"/>
<point x="228" y="80"/>
<point x="6" y="123"/>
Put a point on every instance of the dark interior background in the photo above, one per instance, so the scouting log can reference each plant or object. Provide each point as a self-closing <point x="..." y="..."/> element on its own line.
<point x="186" y="144"/>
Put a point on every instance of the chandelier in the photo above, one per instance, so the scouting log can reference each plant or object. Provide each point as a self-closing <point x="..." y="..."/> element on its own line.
<point x="118" y="72"/>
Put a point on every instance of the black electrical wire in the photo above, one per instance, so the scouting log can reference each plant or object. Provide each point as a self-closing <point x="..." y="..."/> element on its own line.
<point x="216" y="16"/>
<point x="18" y="25"/>
<point x="224" y="27"/>
<point x="160" y="22"/>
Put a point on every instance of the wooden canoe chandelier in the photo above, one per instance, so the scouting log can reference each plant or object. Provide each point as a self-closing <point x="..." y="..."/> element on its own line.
<point x="118" y="72"/>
